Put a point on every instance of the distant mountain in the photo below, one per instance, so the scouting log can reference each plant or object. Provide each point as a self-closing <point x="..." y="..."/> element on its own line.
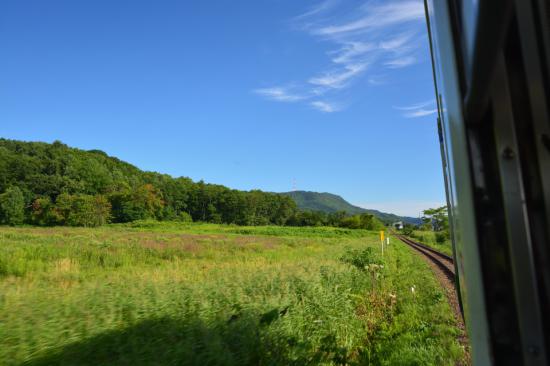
<point x="328" y="202"/>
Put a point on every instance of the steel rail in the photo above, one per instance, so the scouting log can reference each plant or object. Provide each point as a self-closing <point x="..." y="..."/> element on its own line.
<point x="442" y="260"/>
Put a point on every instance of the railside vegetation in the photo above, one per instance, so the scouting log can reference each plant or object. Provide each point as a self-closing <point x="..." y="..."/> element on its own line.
<point x="434" y="230"/>
<point x="149" y="293"/>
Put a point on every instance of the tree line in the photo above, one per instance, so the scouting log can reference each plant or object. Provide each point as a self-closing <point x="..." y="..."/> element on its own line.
<point x="53" y="184"/>
<point x="433" y="219"/>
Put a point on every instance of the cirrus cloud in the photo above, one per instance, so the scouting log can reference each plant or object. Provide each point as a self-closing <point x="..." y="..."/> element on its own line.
<point x="421" y="109"/>
<point x="325" y="107"/>
<point x="377" y="35"/>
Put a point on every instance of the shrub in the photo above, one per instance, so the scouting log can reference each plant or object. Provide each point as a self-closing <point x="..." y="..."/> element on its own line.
<point x="89" y="211"/>
<point x="73" y="210"/>
<point x="43" y="212"/>
<point x="362" y="259"/>
<point x="141" y="203"/>
<point x="12" y="206"/>
<point x="408" y="229"/>
<point x="441" y="236"/>
<point x="184" y="217"/>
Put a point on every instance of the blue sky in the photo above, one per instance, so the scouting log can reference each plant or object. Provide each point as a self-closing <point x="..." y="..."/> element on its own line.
<point x="334" y="95"/>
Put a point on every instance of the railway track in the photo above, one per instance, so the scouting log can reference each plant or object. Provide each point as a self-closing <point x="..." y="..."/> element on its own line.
<point x="441" y="260"/>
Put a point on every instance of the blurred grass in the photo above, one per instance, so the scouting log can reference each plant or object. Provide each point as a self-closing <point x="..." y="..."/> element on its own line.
<point x="203" y="294"/>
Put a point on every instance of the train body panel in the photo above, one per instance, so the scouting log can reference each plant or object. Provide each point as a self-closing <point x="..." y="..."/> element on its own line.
<point x="491" y="66"/>
<point x="457" y="180"/>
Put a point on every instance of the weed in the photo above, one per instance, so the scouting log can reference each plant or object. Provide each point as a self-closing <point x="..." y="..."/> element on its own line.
<point x="197" y="294"/>
<point x="363" y="259"/>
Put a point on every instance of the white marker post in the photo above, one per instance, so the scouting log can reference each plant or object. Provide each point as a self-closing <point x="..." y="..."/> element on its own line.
<point x="388" y="240"/>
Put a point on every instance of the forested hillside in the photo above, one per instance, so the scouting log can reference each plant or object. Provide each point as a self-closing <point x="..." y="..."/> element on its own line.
<point x="326" y="202"/>
<point x="53" y="184"/>
<point x="331" y="203"/>
<point x="62" y="185"/>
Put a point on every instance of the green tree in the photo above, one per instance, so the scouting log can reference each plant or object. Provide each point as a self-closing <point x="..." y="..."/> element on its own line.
<point x="437" y="218"/>
<point x="82" y="210"/>
<point x="368" y="221"/>
<point x="408" y="229"/>
<point x="48" y="173"/>
<point x="284" y="208"/>
<point x="351" y="222"/>
<point x="89" y="211"/>
<point x="43" y="212"/>
<point x="335" y="218"/>
<point x="311" y="218"/>
<point x="139" y="204"/>
<point x="12" y="206"/>
<point x="184" y="217"/>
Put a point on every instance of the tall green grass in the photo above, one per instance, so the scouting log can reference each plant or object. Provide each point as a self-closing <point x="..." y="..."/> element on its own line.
<point x="429" y="238"/>
<point x="216" y="295"/>
<point x="305" y="231"/>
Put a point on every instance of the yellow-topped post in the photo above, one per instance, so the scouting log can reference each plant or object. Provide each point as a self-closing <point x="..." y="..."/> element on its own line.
<point x="382" y="240"/>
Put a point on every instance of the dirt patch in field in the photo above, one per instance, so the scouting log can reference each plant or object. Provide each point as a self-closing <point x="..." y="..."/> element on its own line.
<point x="196" y="242"/>
<point x="166" y="241"/>
<point x="65" y="265"/>
<point x="266" y="242"/>
<point x="202" y="236"/>
<point x="41" y="231"/>
<point x="191" y="245"/>
<point x="156" y="240"/>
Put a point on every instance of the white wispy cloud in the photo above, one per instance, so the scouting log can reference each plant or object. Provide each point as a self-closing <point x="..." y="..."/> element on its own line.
<point x="325" y="106"/>
<point x="377" y="16"/>
<point x="377" y="80"/>
<point x="400" y="62"/>
<point x="397" y="43"/>
<point x="338" y="79"/>
<point x="317" y="9"/>
<point x="279" y="94"/>
<point x="419" y="109"/>
<point x="414" y="106"/>
<point x="378" y="34"/>
<point x="351" y="51"/>
<point x="420" y="113"/>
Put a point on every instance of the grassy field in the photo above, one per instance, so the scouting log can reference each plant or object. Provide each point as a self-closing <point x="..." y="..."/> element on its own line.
<point x="202" y="294"/>
<point x="428" y="238"/>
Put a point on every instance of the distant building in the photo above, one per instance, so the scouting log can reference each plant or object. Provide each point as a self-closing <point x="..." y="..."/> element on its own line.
<point x="398" y="225"/>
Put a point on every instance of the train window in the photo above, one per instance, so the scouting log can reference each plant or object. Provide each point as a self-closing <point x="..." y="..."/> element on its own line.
<point x="208" y="240"/>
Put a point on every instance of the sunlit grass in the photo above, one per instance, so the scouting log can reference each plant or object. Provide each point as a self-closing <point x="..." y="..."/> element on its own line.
<point x="428" y="238"/>
<point x="209" y="294"/>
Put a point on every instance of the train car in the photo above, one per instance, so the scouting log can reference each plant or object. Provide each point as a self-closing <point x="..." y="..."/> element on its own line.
<point x="398" y="225"/>
<point x="491" y="70"/>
